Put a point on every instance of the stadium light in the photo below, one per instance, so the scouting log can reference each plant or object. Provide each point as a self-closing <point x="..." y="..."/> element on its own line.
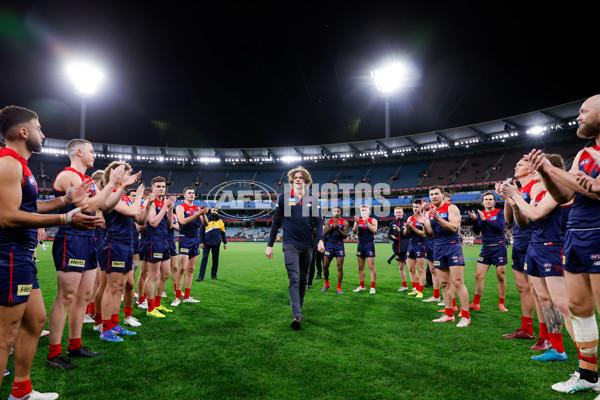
<point x="86" y="79"/>
<point x="388" y="80"/>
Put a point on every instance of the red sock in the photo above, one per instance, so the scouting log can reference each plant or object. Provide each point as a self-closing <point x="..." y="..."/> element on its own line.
<point x="21" y="389"/>
<point x="414" y="285"/>
<point x="362" y="284"/>
<point x="178" y="294"/>
<point x="114" y="320"/>
<point x="500" y="300"/>
<point x="74" y="344"/>
<point x="454" y="302"/>
<point x="54" y="350"/>
<point x="404" y="284"/>
<point x="436" y="293"/>
<point x="339" y="286"/>
<point x="527" y="325"/>
<point x="476" y="298"/>
<point x="466" y="314"/>
<point x="544" y="331"/>
<point x="449" y="312"/>
<point x="157" y="301"/>
<point x="91" y="309"/>
<point x="150" y="305"/>
<point x="326" y="282"/>
<point x="106" y="325"/>
<point x="98" y="319"/>
<point x="557" y="342"/>
<point x="128" y="311"/>
<point x="186" y="295"/>
<point x="142" y="299"/>
<point x="174" y="286"/>
<point x="372" y="285"/>
<point x="420" y="288"/>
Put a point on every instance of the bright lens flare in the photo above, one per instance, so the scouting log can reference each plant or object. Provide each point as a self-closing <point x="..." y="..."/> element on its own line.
<point x="390" y="78"/>
<point x="86" y="78"/>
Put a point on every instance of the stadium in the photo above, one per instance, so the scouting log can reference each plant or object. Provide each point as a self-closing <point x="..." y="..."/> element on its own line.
<point x="234" y="146"/>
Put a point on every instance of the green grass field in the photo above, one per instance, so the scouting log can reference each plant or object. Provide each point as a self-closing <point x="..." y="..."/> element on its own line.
<point x="237" y="343"/>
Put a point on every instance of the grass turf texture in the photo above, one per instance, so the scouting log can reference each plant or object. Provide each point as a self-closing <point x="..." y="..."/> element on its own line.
<point x="237" y="342"/>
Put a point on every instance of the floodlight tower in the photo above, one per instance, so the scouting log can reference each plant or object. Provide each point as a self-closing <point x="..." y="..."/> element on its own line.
<point x="86" y="79"/>
<point x="387" y="80"/>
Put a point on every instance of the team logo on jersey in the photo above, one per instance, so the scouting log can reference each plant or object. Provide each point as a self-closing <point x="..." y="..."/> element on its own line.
<point x="24" y="290"/>
<point x="76" y="263"/>
<point x="584" y="162"/>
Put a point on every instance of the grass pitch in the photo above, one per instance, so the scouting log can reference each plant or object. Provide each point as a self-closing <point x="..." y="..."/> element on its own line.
<point x="237" y="342"/>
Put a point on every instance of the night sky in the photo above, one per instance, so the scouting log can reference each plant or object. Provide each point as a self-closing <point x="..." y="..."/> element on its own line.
<point x="290" y="73"/>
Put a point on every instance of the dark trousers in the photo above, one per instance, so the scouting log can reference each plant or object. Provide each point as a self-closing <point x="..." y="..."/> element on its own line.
<point x="317" y="261"/>
<point x="215" y="260"/>
<point x="297" y="261"/>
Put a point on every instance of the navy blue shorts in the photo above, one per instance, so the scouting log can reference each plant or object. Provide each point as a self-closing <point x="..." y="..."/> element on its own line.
<point x="74" y="253"/>
<point x="581" y="251"/>
<point x="400" y="256"/>
<point x="448" y="255"/>
<point x="189" y="246"/>
<point x="416" y="251"/>
<point x="172" y="248"/>
<point x="519" y="253"/>
<point x="135" y="246"/>
<point x="141" y="246"/>
<point x="493" y="255"/>
<point x="543" y="260"/>
<point x="115" y="257"/>
<point x="429" y="251"/>
<point x="156" y="251"/>
<point x="365" y="250"/>
<point x="18" y="275"/>
<point x="336" y="250"/>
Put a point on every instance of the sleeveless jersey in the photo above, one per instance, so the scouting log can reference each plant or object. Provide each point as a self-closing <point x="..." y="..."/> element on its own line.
<point x="335" y="237"/>
<point x="415" y="239"/>
<point x="548" y="229"/>
<point x="68" y="230"/>
<point x="119" y="226"/>
<point x="161" y="232"/>
<point x="442" y="236"/>
<point x="525" y="232"/>
<point x="191" y="229"/>
<point x="364" y="234"/>
<point x="585" y="211"/>
<point x="21" y="237"/>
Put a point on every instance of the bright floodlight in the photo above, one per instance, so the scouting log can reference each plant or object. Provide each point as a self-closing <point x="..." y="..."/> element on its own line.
<point x="86" y="77"/>
<point x="390" y="78"/>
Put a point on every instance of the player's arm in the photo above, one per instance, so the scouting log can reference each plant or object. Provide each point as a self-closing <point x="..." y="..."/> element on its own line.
<point x="355" y="226"/>
<point x="275" y="225"/>
<point x="533" y="212"/>
<point x="427" y="225"/>
<point x="75" y="195"/>
<point x="154" y="217"/>
<point x="344" y="230"/>
<point x="391" y="233"/>
<point x="561" y="185"/>
<point x="453" y="219"/>
<point x="11" y="178"/>
<point x="183" y="220"/>
<point x="328" y="230"/>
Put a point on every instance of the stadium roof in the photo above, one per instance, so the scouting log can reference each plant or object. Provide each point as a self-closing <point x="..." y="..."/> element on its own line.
<point x="517" y="129"/>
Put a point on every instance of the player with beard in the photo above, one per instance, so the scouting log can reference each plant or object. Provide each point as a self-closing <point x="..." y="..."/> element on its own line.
<point x="490" y="223"/>
<point x="74" y="254"/>
<point x="441" y="222"/>
<point x="190" y="217"/>
<point x="337" y="230"/>
<point x="582" y="241"/>
<point x="22" y="310"/>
